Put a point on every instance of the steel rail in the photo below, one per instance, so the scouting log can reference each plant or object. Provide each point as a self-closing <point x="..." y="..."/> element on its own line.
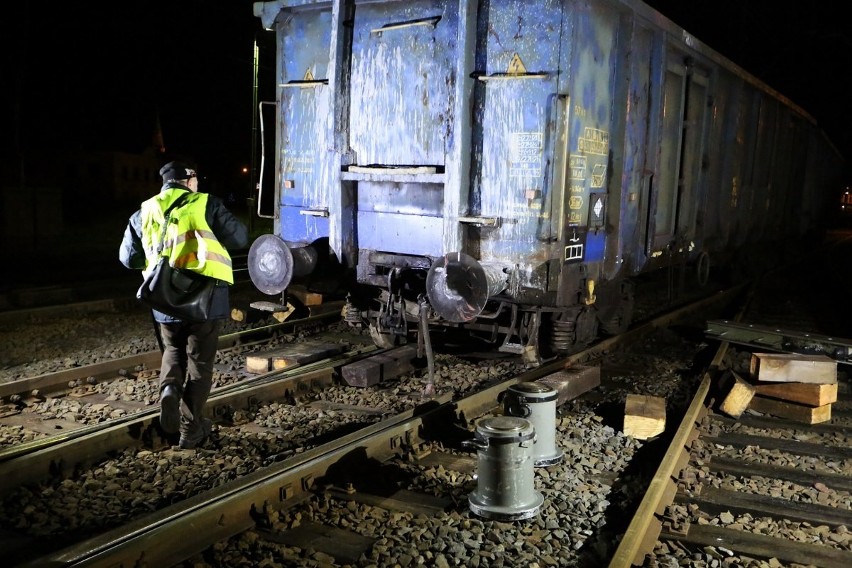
<point x="68" y="451"/>
<point x="160" y="538"/>
<point x="645" y="528"/>
<point x="50" y="382"/>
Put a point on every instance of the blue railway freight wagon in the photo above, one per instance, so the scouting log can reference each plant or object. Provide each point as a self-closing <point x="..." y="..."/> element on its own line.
<point x="508" y="167"/>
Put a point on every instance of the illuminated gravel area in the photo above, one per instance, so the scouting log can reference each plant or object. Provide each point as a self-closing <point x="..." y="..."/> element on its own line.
<point x="588" y="498"/>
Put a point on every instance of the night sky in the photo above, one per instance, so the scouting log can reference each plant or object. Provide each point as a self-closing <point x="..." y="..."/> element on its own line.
<point x="801" y="49"/>
<point x="96" y="75"/>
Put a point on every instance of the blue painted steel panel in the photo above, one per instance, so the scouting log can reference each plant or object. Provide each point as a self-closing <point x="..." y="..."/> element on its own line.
<point x="393" y="232"/>
<point x="724" y="149"/>
<point x="294" y="227"/>
<point x="638" y="157"/>
<point x="403" y="56"/>
<point x="593" y="73"/>
<point x="406" y="198"/>
<point x="595" y="246"/>
<point x="514" y="165"/>
<point x="578" y="85"/>
<point x="304" y="109"/>
<point x="519" y="60"/>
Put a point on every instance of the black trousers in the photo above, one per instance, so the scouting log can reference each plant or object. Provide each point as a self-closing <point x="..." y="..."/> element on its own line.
<point x="189" y="352"/>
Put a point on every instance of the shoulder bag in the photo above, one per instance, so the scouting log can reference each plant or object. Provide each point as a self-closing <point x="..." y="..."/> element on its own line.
<point x="177" y="292"/>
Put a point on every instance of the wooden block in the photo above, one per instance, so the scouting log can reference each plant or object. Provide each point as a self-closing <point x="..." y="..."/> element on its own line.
<point x="807" y="394"/>
<point x="338" y="306"/>
<point x="346" y="547"/>
<point x="283" y="361"/>
<point x="243" y="315"/>
<point x="307" y="298"/>
<point x="791" y="410"/>
<point x="257" y="364"/>
<point x="363" y="373"/>
<point x="380" y="367"/>
<point x="396" y="367"/>
<point x="291" y="356"/>
<point x="399" y="500"/>
<point x="740" y="393"/>
<point x="644" y="416"/>
<point x="280" y="312"/>
<point x="572" y="382"/>
<point x="372" y="371"/>
<point x="247" y="314"/>
<point x="281" y="315"/>
<point x="793" y="368"/>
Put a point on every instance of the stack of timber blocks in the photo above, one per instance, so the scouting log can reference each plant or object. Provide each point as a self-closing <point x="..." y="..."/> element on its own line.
<point x="792" y="386"/>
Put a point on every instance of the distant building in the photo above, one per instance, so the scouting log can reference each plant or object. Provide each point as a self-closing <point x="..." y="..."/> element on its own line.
<point x="115" y="177"/>
<point x="50" y="191"/>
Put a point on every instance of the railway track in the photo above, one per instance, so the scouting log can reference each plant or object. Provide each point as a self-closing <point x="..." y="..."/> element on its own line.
<point x="743" y="491"/>
<point x="54" y="407"/>
<point x="294" y="465"/>
<point x="756" y="510"/>
<point x="294" y="472"/>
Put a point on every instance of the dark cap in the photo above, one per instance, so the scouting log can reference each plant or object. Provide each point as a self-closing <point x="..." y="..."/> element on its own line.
<point x="176" y="170"/>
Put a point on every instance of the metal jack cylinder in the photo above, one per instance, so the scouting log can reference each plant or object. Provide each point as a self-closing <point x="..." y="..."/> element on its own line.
<point x="505" y="476"/>
<point x="536" y="402"/>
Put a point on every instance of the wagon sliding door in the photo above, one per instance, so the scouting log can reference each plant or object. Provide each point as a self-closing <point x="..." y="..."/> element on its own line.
<point x="682" y="136"/>
<point x="303" y="93"/>
<point x="403" y="72"/>
<point x="519" y="124"/>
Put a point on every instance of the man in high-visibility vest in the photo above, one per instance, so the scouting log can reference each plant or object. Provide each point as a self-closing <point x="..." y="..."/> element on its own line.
<point x="198" y="238"/>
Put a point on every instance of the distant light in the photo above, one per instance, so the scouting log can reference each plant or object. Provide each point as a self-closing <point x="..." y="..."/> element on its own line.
<point x="245" y="170"/>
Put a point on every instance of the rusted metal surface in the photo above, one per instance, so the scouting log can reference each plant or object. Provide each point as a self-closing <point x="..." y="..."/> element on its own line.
<point x="781" y="340"/>
<point x="567" y="145"/>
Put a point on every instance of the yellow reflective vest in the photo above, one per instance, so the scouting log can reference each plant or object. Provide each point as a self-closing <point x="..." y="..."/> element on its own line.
<point x="189" y="242"/>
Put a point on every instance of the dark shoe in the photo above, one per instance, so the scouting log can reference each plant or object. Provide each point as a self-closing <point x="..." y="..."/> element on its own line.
<point x="170" y="409"/>
<point x="197" y="438"/>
